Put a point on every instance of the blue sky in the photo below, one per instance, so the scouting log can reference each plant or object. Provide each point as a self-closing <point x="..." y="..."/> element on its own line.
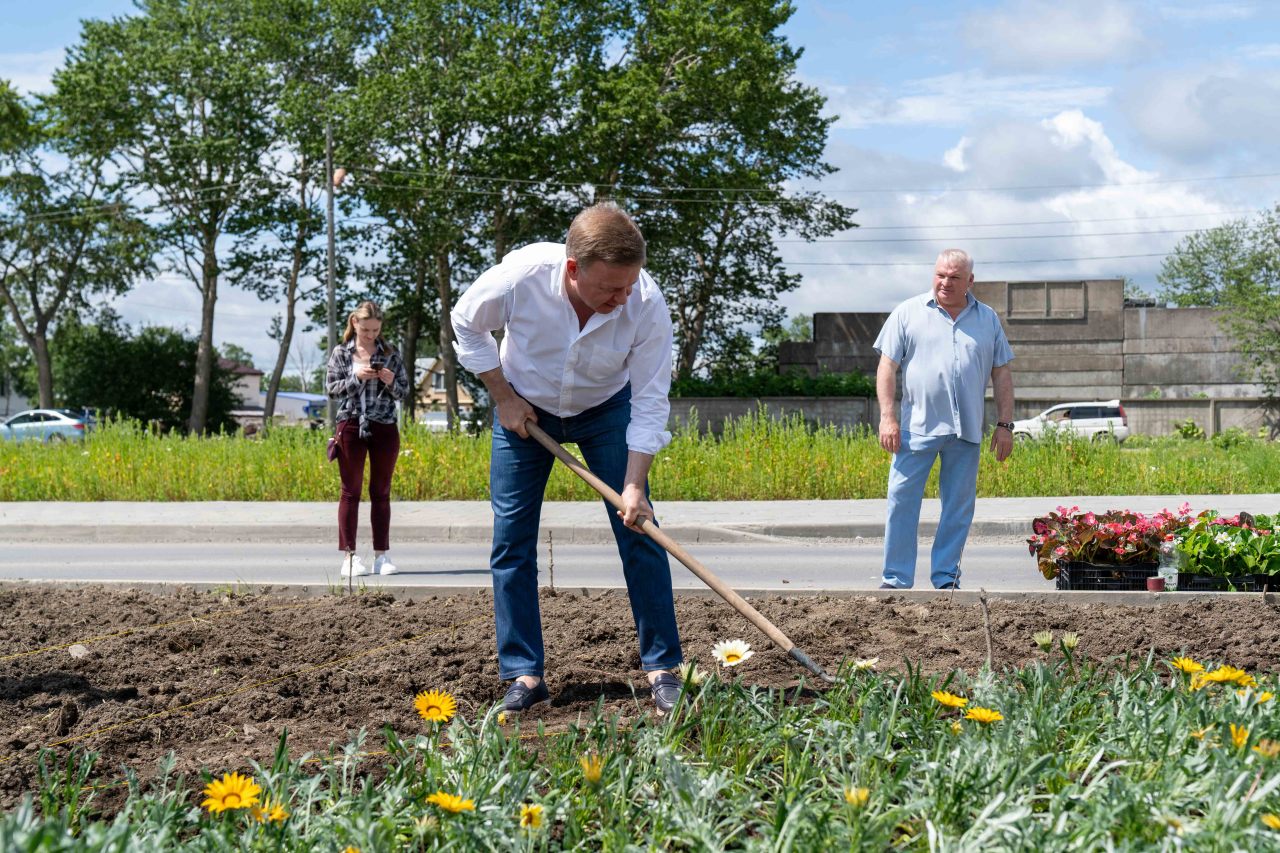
<point x="959" y="124"/>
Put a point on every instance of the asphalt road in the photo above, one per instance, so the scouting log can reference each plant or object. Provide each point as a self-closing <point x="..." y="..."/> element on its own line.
<point x="992" y="564"/>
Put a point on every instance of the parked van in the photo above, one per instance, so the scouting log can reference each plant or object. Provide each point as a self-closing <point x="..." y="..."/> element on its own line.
<point x="1098" y="419"/>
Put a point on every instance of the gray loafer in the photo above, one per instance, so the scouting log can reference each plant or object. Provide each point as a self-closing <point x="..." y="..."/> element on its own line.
<point x="522" y="698"/>
<point x="666" y="691"/>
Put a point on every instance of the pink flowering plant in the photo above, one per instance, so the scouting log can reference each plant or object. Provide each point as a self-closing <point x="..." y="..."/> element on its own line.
<point x="1224" y="546"/>
<point x="1118" y="537"/>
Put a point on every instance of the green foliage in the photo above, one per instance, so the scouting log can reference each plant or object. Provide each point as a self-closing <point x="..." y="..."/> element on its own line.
<point x="1226" y="547"/>
<point x="144" y="376"/>
<point x="1088" y="756"/>
<point x="766" y="383"/>
<point x="1189" y="430"/>
<point x="756" y="458"/>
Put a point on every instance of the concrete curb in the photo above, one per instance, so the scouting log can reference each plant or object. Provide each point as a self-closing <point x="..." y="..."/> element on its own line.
<point x="471" y="533"/>
<point x="913" y="596"/>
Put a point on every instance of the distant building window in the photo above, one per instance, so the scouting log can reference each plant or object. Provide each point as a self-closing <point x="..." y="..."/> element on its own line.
<point x="437" y="381"/>
<point x="1047" y="300"/>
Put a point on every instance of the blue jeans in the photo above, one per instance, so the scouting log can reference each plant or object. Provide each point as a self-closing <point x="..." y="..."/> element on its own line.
<point x="958" y="489"/>
<point x="518" y="473"/>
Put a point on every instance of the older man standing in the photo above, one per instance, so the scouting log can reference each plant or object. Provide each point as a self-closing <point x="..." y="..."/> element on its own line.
<point x="947" y="344"/>
<point x="586" y="355"/>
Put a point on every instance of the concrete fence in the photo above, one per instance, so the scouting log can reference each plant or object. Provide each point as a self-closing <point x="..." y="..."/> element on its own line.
<point x="1146" y="416"/>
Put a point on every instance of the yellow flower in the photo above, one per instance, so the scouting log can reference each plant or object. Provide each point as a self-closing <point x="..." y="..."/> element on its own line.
<point x="956" y="728"/>
<point x="1199" y="734"/>
<point x="592" y="767"/>
<point x="232" y="791"/>
<point x="951" y="700"/>
<point x="1239" y="735"/>
<point x="269" y="812"/>
<point x="1264" y="696"/>
<point x="1043" y="639"/>
<point x="530" y="816"/>
<point x="865" y="664"/>
<point x="451" y="802"/>
<point x="731" y="652"/>
<point x="1186" y="665"/>
<point x="350" y="849"/>
<point x="1267" y="748"/>
<point x="435" y="706"/>
<point x="1070" y="640"/>
<point x="1228" y="674"/>
<point x="857" y="797"/>
<point x="502" y="718"/>
<point x="1272" y="821"/>
<point x="984" y="715"/>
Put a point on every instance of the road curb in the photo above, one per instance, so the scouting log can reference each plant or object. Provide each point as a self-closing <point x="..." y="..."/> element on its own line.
<point x="909" y="596"/>
<point x="581" y="534"/>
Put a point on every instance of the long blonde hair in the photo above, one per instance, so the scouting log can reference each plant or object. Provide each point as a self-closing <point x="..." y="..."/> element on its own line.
<point x="366" y="310"/>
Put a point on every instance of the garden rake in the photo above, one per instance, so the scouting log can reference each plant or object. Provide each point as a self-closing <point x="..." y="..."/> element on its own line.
<point x="719" y="587"/>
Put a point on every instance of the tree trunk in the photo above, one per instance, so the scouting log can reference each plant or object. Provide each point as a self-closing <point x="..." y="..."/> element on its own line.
<point x="447" y="355"/>
<point x="290" y="301"/>
<point x="204" y="350"/>
<point x="44" y="368"/>
<point x="412" y="331"/>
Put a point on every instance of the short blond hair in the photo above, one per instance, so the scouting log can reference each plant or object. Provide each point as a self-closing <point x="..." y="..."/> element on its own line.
<point x="955" y="256"/>
<point x="367" y="310"/>
<point x="604" y="232"/>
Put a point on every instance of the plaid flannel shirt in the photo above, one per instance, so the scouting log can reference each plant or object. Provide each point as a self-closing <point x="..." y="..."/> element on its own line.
<point x="342" y="385"/>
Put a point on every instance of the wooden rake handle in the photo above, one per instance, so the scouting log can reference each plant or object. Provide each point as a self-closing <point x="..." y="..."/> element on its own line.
<point x="719" y="587"/>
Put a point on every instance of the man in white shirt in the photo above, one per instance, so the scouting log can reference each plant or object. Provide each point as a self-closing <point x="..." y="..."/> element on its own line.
<point x="586" y="354"/>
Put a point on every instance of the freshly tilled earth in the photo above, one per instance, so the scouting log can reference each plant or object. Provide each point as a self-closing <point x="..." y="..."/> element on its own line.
<point x="215" y="679"/>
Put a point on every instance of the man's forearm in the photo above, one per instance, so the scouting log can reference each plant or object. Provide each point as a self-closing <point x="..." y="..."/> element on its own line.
<point x="638" y="465"/>
<point x="887" y="388"/>
<point x="500" y="390"/>
<point x="1002" y="389"/>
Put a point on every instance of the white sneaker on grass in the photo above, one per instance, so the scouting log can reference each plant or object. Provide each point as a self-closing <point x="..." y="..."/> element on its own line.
<point x="353" y="567"/>
<point x="382" y="565"/>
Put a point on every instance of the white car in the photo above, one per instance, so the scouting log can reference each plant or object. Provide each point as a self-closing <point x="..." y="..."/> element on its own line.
<point x="1100" y="420"/>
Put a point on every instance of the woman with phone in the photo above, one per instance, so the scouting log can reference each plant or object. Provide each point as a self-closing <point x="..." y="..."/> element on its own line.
<point x="367" y="377"/>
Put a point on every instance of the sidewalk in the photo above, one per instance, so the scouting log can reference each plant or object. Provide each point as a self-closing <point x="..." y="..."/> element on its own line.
<point x="567" y="522"/>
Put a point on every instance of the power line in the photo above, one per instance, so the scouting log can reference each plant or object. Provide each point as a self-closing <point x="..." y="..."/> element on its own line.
<point x="979" y="263"/>
<point x="1053" y="221"/>
<point x="968" y="239"/>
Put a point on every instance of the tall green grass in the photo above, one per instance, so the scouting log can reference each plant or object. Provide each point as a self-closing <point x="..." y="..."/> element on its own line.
<point x="757" y="458"/>
<point x="1086" y="757"/>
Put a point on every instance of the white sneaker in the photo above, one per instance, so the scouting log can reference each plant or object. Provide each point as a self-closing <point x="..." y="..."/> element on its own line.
<point x="382" y="565"/>
<point x="352" y="567"/>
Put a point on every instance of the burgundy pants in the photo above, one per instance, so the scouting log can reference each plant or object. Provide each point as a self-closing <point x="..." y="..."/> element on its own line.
<point x="382" y="448"/>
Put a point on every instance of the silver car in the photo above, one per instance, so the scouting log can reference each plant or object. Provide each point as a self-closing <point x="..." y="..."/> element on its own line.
<point x="47" y="425"/>
<point x="1100" y="420"/>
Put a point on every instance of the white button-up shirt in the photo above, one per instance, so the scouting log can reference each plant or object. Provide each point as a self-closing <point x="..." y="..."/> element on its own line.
<point x="554" y="365"/>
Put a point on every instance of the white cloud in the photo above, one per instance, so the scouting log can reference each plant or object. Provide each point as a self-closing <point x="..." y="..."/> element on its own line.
<point x="952" y="100"/>
<point x="1260" y="52"/>
<point x="1050" y="35"/>
<point x="1067" y="148"/>
<point x="1213" y="114"/>
<point x="30" y="72"/>
<point x="1198" y="12"/>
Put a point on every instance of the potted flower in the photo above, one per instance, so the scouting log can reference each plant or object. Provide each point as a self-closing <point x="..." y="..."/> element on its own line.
<point x="1240" y="552"/>
<point x="1114" y="550"/>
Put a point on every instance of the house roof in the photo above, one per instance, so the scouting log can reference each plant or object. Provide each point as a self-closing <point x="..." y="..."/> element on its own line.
<point x="238" y="369"/>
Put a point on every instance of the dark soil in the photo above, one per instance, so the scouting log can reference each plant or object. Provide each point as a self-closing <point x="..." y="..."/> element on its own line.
<point x="215" y="680"/>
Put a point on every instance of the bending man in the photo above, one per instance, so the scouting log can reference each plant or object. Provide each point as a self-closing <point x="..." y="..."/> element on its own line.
<point x="947" y="344"/>
<point x="586" y="354"/>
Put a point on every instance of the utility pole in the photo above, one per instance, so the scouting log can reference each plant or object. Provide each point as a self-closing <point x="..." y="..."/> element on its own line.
<point x="329" y="285"/>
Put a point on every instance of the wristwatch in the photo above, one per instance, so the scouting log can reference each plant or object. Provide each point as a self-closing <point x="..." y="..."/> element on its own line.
<point x="1006" y="424"/>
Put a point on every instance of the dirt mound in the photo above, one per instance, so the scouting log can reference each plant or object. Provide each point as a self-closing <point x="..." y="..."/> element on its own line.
<point x="215" y="679"/>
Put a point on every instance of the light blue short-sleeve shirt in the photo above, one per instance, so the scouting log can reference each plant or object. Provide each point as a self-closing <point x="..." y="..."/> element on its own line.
<point x="945" y="364"/>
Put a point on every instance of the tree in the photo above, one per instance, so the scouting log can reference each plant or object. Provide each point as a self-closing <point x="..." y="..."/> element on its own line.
<point x="180" y="97"/>
<point x="236" y="353"/>
<point x="1236" y="267"/>
<point x="66" y="232"/>
<point x="462" y="105"/>
<point x="700" y="125"/>
<point x="144" y="376"/>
